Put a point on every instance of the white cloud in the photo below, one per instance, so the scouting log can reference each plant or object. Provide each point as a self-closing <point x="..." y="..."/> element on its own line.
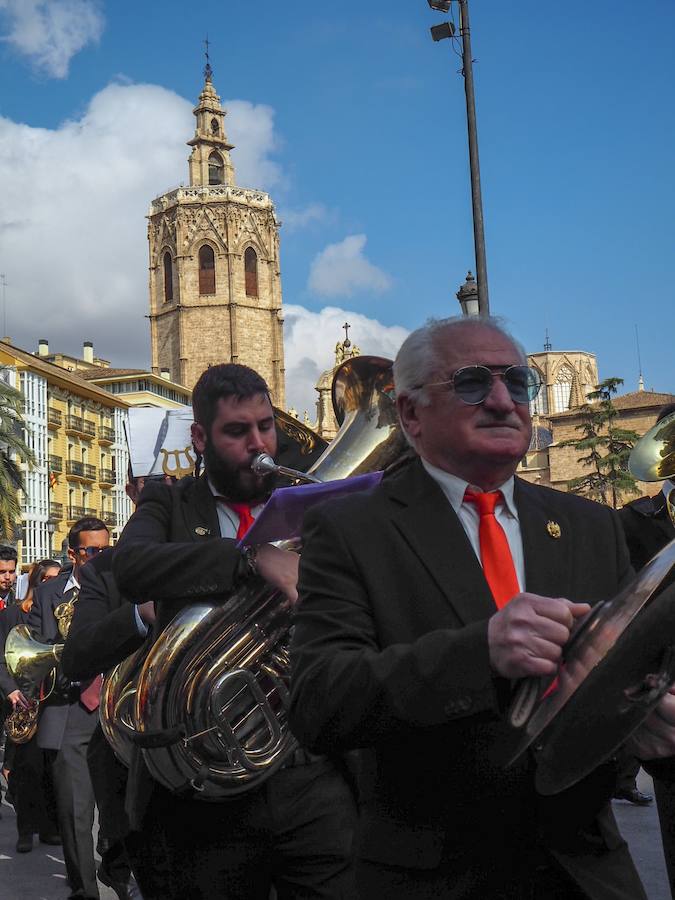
<point x="73" y="242"/>
<point x="310" y="339"/>
<point x="295" y="219"/>
<point x="341" y="269"/>
<point x="50" y="32"/>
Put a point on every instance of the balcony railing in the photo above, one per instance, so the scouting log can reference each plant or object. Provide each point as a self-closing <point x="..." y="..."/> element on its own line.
<point x="79" y="512"/>
<point x="106" y="434"/>
<point x="54" y="416"/>
<point x="109" y="517"/>
<point x="81" y="426"/>
<point x="55" y="464"/>
<point x="55" y="512"/>
<point x="106" y="476"/>
<point x="80" y="470"/>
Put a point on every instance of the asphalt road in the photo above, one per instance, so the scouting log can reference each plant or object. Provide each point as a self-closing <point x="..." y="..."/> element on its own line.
<point x="40" y="875"/>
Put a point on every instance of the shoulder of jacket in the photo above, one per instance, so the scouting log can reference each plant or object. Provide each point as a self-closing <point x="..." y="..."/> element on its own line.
<point x="643" y="506"/>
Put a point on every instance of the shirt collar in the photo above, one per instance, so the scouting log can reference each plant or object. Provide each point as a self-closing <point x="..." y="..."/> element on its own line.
<point x="71" y="583"/>
<point x="454" y="488"/>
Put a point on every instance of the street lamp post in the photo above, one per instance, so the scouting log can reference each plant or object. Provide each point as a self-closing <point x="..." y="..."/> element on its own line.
<point x="438" y="33"/>
<point x="468" y="296"/>
<point x="51" y="528"/>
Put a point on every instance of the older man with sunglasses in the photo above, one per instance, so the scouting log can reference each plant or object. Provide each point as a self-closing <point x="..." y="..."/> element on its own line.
<point x="420" y="602"/>
<point x="69" y="716"/>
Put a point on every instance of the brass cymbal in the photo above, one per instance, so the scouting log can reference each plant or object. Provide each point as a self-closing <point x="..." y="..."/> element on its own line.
<point x="653" y="457"/>
<point x="598" y="698"/>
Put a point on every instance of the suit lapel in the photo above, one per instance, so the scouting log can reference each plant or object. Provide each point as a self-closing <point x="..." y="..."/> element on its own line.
<point x="201" y="516"/>
<point x="547" y="556"/>
<point x="427" y="522"/>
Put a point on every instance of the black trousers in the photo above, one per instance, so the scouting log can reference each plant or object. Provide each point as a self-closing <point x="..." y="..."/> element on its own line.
<point x="30" y="781"/>
<point x="294" y="833"/>
<point x="75" y="803"/>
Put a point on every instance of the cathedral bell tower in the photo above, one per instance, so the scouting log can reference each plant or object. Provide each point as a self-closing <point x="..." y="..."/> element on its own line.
<point x="215" y="280"/>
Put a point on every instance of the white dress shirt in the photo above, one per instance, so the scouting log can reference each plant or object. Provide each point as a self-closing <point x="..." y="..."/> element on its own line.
<point x="506" y="514"/>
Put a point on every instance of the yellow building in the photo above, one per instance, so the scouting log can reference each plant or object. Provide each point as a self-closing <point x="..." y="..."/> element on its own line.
<point x="76" y="432"/>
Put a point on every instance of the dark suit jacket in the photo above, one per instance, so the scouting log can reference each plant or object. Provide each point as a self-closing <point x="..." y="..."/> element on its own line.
<point x="62" y="708"/>
<point x="647" y="527"/>
<point x="104" y="630"/>
<point x="391" y="652"/>
<point x="171" y="550"/>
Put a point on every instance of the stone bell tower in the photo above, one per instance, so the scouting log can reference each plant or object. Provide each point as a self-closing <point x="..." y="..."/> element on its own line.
<point x="215" y="281"/>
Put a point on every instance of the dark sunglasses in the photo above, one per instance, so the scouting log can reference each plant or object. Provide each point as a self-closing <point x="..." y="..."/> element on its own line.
<point x="472" y="384"/>
<point x="90" y="551"/>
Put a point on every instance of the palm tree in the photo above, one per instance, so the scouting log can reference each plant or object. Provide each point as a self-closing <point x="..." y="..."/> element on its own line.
<point x="12" y="445"/>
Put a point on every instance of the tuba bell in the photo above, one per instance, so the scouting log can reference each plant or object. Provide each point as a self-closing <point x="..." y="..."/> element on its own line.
<point x="211" y="700"/>
<point x="29" y="662"/>
<point x="653" y="457"/>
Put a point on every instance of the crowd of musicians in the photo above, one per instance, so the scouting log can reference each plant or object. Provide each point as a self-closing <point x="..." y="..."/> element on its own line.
<point x="417" y="604"/>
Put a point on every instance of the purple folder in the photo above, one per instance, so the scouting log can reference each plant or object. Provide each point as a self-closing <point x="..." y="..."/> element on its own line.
<point x="281" y="519"/>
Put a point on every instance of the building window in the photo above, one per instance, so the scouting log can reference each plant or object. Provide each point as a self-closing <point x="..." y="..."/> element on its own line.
<point x="562" y="388"/>
<point x="215" y="168"/>
<point x="215" y="127"/>
<point x="207" y="270"/>
<point x="168" y="277"/>
<point x="251" y="272"/>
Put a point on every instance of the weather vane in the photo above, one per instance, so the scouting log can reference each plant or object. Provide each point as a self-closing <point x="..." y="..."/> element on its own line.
<point x="208" y="71"/>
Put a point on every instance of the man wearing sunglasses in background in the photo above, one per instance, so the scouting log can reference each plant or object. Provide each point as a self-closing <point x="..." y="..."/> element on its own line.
<point x="420" y="603"/>
<point x="69" y="716"/>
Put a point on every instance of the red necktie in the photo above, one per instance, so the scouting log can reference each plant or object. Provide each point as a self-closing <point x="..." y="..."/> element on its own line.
<point x="243" y="510"/>
<point x="495" y="553"/>
<point x="90" y="694"/>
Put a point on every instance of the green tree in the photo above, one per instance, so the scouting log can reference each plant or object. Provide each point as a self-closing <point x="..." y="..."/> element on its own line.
<point x="606" y="448"/>
<point x="12" y="444"/>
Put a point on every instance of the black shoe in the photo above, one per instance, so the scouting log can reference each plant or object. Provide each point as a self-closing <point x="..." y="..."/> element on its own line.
<point x="632" y="795"/>
<point x="25" y="843"/>
<point x="125" y="890"/>
<point x="54" y="840"/>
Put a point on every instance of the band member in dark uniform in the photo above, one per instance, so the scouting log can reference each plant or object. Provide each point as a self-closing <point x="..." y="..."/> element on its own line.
<point x="106" y="628"/>
<point x="420" y="601"/>
<point x="69" y="716"/>
<point x="29" y="779"/>
<point x="294" y="832"/>
<point x="648" y="527"/>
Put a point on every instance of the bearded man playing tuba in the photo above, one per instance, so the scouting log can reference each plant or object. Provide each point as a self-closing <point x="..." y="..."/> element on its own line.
<point x="294" y="831"/>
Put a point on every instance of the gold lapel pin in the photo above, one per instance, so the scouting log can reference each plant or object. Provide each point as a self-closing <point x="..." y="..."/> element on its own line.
<point x="201" y="530"/>
<point x="553" y="529"/>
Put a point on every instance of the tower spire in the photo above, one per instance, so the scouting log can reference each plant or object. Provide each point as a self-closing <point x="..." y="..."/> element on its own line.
<point x="210" y="162"/>
<point x="208" y="71"/>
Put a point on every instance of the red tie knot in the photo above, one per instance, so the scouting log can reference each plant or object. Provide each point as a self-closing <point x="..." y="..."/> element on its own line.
<point x="242" y="509"/>
<point x="485" y="502"/>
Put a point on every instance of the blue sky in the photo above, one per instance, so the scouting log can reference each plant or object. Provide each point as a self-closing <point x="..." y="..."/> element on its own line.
<point x="354" y="120"/>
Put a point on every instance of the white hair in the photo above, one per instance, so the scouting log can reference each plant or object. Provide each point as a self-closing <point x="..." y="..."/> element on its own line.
<point x="419" y="360"/>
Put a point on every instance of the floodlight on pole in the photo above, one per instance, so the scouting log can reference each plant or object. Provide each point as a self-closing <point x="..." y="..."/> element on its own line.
<point x="440" y="5"/>
<point x="442" y="31"/>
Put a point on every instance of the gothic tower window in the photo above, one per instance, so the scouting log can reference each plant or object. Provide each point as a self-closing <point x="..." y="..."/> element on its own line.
<point x="215" y="128"/>
<point x="168" y="277"/>
<point x="215" y="168"/>
<point x="207" y="270"/>
<point x="562" y="388"/>
<point x="251" y="272"/>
